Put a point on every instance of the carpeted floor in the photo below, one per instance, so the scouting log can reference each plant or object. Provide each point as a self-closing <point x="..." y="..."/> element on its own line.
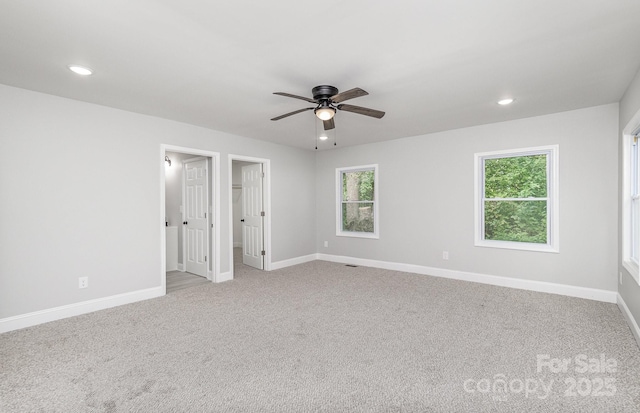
<point x="323" y="337"/>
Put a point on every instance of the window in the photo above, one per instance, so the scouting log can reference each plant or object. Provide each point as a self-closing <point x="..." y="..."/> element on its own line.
<point x="635" y="202"/>
<point x="631" y="205"/>
<point x="357" y="201"/>
<point x="517" y="200"/>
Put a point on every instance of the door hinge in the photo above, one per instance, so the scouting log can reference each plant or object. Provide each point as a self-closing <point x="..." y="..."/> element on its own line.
<point x="263" y="174"/>
<point x="263" y="253"/>
<point x="205" y="258"/>
<point x="262" y="213"/>
<point x="205" y="214"/>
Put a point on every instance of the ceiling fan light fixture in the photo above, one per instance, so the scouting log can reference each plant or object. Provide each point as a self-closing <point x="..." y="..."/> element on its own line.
<point x="325" y="112"/>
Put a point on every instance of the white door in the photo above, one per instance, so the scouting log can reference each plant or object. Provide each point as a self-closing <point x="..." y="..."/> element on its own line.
<point x="252" y="216"/>
<point x="195" y="216"/>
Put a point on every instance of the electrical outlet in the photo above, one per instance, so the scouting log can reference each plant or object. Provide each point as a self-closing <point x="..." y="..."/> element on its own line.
<point x="83" y="282"/>
<point x="445" y="255"/>
<point x="326" y="244"/>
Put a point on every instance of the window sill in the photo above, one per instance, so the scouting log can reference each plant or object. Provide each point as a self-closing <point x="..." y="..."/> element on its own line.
<point x="369" y="235"/>
<point x="522" y="246"/>
<point x="633" y="270"/>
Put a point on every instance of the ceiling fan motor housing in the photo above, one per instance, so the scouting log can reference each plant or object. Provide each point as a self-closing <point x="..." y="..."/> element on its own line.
<point x="323" y="92"/>
<point x="328" y="101"/>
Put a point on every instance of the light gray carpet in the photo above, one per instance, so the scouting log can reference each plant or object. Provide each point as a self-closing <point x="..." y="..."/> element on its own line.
<point x="323" y="337"/>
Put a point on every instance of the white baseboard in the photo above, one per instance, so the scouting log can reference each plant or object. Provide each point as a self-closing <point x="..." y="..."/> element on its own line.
<point x="540" y="286"/>
<point x="181" y="267"/>
<point x="293" y="261"/>
<point x="224" y="276"/>
<point x="633" y="325"/>
<point x="65" y="311"/>
<point x="237" y="244"/>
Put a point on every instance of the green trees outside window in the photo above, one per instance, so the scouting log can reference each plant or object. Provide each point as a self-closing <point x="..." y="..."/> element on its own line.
<point x="516" y="198"/>
<point x="358" y="201"/>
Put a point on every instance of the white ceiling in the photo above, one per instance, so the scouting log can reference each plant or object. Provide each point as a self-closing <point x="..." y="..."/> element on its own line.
<point x="431" y="65"/>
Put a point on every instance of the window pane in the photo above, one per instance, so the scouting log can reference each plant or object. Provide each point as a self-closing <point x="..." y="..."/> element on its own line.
<point x="635" y="228"/>
<point x="357" y="217"/>
<point x="358" y="186"/>
<point x="516" y="177"/>
<point x="520" y="221"/>
<point x="635" y="186"/>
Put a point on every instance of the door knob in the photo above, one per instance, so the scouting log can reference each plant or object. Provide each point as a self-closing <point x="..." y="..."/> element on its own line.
<point x="242" y="220"/>
<point x="185" y="222"/>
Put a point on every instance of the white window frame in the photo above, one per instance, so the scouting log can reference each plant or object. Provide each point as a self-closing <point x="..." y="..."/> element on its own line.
<point x="552" y="153"/>
<point x="376" y="204"/>
<point x="630" y="184"/>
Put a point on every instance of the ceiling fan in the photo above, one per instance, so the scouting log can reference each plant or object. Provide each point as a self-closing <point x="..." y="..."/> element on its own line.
<point x="328" y="102"/>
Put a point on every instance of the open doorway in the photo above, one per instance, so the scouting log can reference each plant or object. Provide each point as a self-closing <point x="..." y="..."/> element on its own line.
<point x="190" y="210"/>
<point x="250" y="218"/>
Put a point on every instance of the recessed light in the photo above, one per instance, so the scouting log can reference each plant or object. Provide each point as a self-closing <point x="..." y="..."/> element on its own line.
<point x="323" y="137"/>
<point x="504" y="102"/>
<point x="80" y="70"/>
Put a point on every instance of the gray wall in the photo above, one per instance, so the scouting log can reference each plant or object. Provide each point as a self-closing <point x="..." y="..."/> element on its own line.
<point x="629" y="106"/>
<point x="427" y="199"/>
<point x="80" y="188"/>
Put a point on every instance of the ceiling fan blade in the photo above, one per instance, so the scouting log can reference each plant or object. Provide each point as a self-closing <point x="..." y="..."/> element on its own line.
<point x="329" y="124"/>
<point x="291" y="113"/>
<point x="289" y="95"/>
<point x="362" y="111"/>
<point x="349" y="94"/>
